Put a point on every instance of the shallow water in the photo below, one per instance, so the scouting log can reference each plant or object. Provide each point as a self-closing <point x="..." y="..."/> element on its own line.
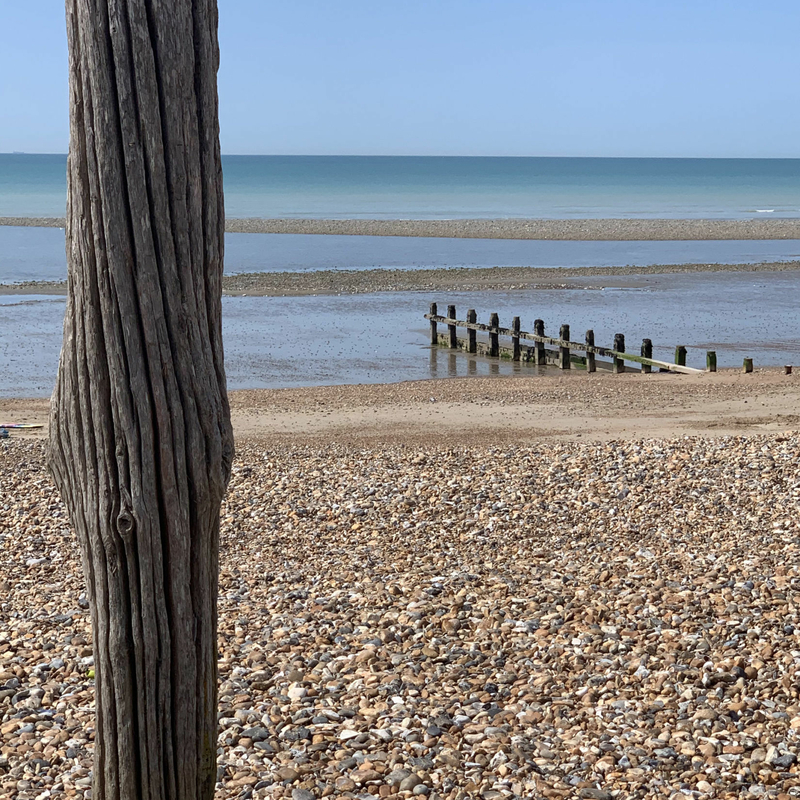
<point x="302" y="341"/>
<point x="28" y="254"/>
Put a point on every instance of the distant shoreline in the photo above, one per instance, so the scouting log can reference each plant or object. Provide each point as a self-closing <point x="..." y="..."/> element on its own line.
<point x="454" y="279"/>
<point x="534" y="229"/>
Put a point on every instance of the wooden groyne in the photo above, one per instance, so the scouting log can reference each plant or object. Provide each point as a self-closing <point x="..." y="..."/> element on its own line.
<point x="559" y="351"/>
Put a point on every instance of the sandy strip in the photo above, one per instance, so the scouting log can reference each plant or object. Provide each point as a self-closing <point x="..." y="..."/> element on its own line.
<point x="551" y="229"/>
<point x="456" y="279"/>
<point x="486" y="411"/>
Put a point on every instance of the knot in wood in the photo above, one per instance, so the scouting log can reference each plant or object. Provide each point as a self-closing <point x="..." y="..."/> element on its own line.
<point x="125" y="524"/>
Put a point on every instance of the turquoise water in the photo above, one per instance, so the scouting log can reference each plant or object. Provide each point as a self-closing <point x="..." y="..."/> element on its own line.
<point x="436" y="187"/>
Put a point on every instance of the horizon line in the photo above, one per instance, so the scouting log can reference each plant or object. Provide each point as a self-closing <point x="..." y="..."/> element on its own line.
<point x="432" y="155"/>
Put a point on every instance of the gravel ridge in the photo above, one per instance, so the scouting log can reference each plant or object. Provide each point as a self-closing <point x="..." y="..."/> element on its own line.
<point x="548" y="229"/>
<point x="343" y="281"/>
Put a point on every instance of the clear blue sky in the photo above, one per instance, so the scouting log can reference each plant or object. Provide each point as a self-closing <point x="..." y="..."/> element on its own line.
<point x="463" y="77"/>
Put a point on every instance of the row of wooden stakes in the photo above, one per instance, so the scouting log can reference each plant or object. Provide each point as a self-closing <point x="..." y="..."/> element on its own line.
<point x="565" y="356"/>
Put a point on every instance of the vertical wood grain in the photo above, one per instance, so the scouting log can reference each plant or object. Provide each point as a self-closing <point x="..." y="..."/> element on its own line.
<point x="140" y="443"/>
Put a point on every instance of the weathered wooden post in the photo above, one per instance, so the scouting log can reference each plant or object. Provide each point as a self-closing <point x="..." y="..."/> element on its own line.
<point x="747" y="365"/>
<point x="434" y="334"/>
<point x="538" y="329"/>
<point x="591" y="365"/>
<point x="563" y="352"/>
<point x="494" y="337"/>
<point x="140" y="435"/>
<point x="680" y="355"/>
<point x="451" y="329"/>
<point x="647" y="352"/>
<point x="619" y="345"/>
<point x="515" y="327"/>
<point x="711" y="361"/>
<point x="472" y="334"/>
<point x="787" y="369"/>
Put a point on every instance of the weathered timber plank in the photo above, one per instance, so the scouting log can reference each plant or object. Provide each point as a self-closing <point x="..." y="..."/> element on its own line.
<point x="527" y="354"/>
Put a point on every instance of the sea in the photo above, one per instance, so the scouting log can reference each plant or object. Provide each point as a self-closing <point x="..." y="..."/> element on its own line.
<point x="384" y="337"/>
<point x="432" y="187"/>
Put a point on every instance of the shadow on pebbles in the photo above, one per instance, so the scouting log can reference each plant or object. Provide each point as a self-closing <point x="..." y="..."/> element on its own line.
<point x="567" y="620"/>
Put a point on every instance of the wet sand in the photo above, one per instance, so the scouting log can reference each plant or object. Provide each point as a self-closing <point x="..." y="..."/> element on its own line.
<point x="551" y="229"/>
<point x="484" y="411"/>
<point x="335" y="282"/>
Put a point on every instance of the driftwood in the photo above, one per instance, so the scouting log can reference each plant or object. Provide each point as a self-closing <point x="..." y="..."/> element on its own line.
<point x="141" y="443"/>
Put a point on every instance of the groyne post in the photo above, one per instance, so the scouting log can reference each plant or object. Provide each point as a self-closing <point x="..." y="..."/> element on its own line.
<point x="515" y="327"/>
<point x="538" y="329"/>
<point x="472" y="336"/>
<point x="591" y="365"/>
<point x="563" y="352"/>
<point x="619" y="346"/>
<point x="494" y="336"/>
<point x="711" y="360"/>
<point x="451" y="329"/>
<point x="434" y="334"/>
<point x="647" y="352"/>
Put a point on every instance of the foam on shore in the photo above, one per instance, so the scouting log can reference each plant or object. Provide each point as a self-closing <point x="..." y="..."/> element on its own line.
<point x="544" y="229"/>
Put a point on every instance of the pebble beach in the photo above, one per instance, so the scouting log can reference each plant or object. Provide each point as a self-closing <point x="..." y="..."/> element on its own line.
<point x="454" y="279"/>
<point x="554" y="619"/>
<point x="597" y="230"/>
